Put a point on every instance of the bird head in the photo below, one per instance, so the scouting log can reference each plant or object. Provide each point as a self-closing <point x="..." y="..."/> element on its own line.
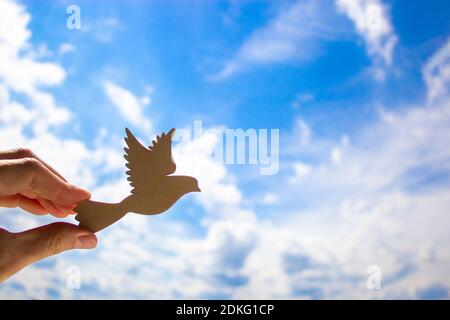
<point x="184" y="185"/>
<point x="191" y="184"/>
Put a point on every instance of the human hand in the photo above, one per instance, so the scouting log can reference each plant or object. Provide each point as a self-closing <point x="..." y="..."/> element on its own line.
<point x="31" y="184"/>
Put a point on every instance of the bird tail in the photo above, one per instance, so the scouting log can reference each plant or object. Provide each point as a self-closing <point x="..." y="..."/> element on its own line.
<point x="96" y="216"/>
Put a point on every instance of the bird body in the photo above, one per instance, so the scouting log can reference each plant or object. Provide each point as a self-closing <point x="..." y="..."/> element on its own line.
<point x="169" y="190"/>
<point x="154" y="189"/>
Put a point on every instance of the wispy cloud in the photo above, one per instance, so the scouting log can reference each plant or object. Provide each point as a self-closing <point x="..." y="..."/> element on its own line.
<point x="129" y="106"/>
<point x="298" y="32"/>
<point x="372" y="21"/>
<point x="293" y="35"/>
<point x="436" y="73"/>
<point x="65" y="48"/>
<point x="103" y="30"/>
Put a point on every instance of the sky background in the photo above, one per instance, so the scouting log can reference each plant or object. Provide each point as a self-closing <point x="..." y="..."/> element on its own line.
<point x="358" y="89"/>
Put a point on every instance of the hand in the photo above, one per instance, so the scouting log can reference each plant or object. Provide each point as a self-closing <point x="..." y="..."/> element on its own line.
<point x="31" y="184"/>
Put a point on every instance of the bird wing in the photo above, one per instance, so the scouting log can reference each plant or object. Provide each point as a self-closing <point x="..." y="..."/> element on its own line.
<point x="147" y="165"/>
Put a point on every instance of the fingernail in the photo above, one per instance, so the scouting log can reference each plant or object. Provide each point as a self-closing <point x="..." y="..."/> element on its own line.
<point x="86" y="242"/>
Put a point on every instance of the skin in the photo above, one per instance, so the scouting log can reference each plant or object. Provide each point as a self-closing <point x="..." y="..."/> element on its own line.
<point x="29" y="183"/>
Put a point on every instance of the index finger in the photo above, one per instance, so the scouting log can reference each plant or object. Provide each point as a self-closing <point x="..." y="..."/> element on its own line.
<point x="20" y="153"/>
<point x="30" y="174"/>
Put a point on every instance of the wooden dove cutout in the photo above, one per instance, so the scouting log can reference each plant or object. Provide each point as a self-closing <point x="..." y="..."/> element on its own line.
<point x="155" y="190"/>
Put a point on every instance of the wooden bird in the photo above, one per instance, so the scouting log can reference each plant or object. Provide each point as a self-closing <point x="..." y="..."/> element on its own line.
<point x="155" y="190"/>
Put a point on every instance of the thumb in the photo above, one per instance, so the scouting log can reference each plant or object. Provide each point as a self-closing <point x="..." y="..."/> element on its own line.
<point x="45" y="241"/>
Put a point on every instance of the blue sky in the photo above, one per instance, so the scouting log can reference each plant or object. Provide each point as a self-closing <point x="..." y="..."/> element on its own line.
<point x="363" y="111"/>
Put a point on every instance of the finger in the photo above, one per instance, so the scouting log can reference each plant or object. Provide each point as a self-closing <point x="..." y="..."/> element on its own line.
<point x="25" y="203"/>
<point x="20" y="153"/>
<point x="64" y="210"/>
<point x="37" y="206"/>
<point x="29" y="194"/>
<point x="54" y="238"/>
<point x="57" y="210"/>
<point x="50" y="207"/>
<point x="28" y="173"/>
<point x="36" y="244"/>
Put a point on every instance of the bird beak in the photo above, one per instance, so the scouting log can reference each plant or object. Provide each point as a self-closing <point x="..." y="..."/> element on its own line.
<point x="198" y="190"/>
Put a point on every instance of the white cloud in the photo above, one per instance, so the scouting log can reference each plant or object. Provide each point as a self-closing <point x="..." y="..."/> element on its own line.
<point x="219" y="193"/>
<point x="294" y="34"/>
<point x="336" y="155"/>
<point x="129" y="106"/>
<point x="65" y="48"/>
<point x="102" y="29"/>
<point x="301" y="99"/>
<point x="13" y="33"/>
<point x="297" y="34"/>
<point x="372" y="22"/>
<point x="21" y="73"/>
<point x="300" y="170"/>
<point x="376" y="207"/>
<point x="269" y="198"/>
<point x="386" y="204"/>
<point x="436" y="72"/>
